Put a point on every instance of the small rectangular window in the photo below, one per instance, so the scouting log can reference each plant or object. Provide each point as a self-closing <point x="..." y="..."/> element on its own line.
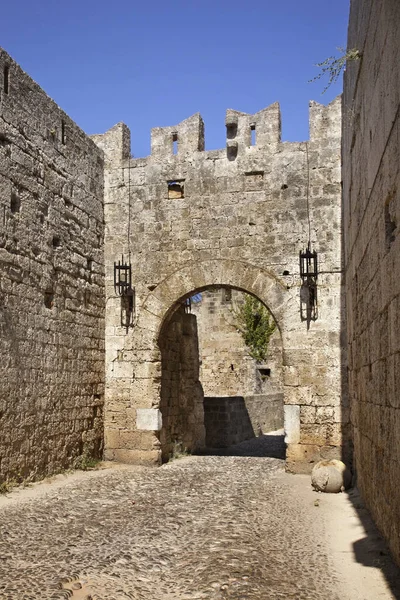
<point x="6" y="77"/>
<point x="253" y="135"/>
<point x="63" y="136"/>
<point x="176" y="189"/>
<point x="174" y="143"/>
<point x="264" y="372"/>
<point x="254" y="180"/>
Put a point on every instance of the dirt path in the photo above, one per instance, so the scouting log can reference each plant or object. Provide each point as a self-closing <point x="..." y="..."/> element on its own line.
<point x="209" y="527"/>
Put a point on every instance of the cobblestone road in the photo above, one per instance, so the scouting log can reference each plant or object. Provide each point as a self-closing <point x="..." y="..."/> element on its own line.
<point x="206" y="527"/>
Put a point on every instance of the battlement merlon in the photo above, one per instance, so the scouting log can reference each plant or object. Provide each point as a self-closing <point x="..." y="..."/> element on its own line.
<point x="115" y="143"/>
<point x="266" y="125"/>
<point x="326" y="121"/>
<point x="186" y="137"/>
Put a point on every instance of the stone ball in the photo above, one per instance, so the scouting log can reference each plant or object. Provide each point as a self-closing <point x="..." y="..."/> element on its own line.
<point x="331" y="476"/>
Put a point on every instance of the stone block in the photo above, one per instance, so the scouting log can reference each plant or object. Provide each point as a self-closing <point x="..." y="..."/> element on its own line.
<point x="292" y="423"/>
<point x="148" y="419"/>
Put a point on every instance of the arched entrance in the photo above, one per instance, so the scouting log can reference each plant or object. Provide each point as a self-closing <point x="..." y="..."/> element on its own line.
<point x="133" y="417"/>
<point x="221" y="380"/>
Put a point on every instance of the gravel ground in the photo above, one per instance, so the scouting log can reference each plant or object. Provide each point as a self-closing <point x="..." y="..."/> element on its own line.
<point x="204" y="527"/>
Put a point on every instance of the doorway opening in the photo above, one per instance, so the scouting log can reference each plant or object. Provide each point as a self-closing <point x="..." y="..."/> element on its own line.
<point x="222" y="376"/>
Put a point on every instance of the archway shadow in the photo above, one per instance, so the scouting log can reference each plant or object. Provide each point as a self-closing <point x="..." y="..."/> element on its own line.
<point x="269" y="445"/>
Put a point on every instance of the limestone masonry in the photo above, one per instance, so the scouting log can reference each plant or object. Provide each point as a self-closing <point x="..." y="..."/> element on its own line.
<point x="134" y="376"/>
<point x="187" y="220"/>
<point x="52" y="282"/>
<point x="190" y="219"/>
<point x="371" y="196"/>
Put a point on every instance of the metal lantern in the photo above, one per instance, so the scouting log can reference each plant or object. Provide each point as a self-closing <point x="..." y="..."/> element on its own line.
<point x="122" y="277"/>
<point x="308" y="290"/>
<point x="308" y="265"/>
<point x="123" y="287"/>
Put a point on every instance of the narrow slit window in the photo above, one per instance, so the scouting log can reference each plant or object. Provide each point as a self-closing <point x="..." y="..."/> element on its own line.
<point x="226" y="295"/>
<point x="231" y="131"/>
<point x="175" y="143"/>
<point x="6" y="80"/>
<point x="253" y="135"/>
<point x="15" y="204"/>
<point x="63" y="136"/>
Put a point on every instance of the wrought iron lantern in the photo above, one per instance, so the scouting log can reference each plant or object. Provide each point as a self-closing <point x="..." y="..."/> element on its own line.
<point x="123" y="287"/>
<point x="308" y="265"/>
<point x="308" y="291"/>
<point x="122" y="277"/>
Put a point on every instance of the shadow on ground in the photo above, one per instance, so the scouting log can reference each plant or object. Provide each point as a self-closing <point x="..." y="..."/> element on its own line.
<point x="372" y="550"/>
<point x="271" y="445"/>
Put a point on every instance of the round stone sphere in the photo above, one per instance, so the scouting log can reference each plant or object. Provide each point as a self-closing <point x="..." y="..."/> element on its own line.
<point x="331" y="476"/>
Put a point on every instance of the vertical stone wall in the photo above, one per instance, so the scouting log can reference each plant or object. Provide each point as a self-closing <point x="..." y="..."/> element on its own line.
<point x="181" y="402"/>
<point x="52" y="282"/>
<point x="371" y="192"/>
<point x="226" y="367"/>
<point x="227" y="421"/>
<point x="235" y="217"/>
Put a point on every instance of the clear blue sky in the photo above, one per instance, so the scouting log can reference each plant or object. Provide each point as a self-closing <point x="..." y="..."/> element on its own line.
<point x="155" y="63"/>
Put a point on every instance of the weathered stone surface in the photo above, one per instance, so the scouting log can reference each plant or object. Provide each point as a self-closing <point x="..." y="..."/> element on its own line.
<point x="236" y="217"/>
<point x="149" y="419"/>
<point x="204" y="528"/>
<point x="181" y="402"/>
<point x="226" y="368"/>
<point x="52" y="283"/>
<point x="371" y="192"/>
<point x="227" y="421"/>
<point x="331" y="476"/>
<point x="186" y="221"/>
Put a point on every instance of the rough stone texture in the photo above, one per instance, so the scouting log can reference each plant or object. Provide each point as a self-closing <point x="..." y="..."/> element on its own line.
<point x="371" y="189"/>
<point x="189" y="221"/>
<point x="265" y="412"/>
<point x="182" y="396"/>
<point x="227" y="421"/>
<point x="200" y="528"/>
<point x="52" y="282"/>
<point x="235" y="217"/>
<point x="226" y="367"/>
<point x="331" y="476"/>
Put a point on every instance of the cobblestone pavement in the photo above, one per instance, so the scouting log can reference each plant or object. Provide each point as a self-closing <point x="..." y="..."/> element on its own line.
<point x="205" y="527"/>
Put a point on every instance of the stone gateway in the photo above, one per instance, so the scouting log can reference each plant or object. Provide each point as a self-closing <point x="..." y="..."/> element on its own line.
<point x="76" y="357"/>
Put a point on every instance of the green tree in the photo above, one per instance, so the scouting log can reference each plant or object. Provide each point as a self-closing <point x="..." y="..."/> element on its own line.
<point x="256" y="324"/>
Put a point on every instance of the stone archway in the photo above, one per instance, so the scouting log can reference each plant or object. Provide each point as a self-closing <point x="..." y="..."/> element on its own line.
<point x="142" y="350"/>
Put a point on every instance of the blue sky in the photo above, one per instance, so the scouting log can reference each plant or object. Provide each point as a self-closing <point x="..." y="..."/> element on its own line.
<point x="153" y="64"/>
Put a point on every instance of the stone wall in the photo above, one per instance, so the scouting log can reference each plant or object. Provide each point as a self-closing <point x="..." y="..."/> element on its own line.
<point x="371" y="191"/>
<point x="234" y="217"/>
<point x="181" y="402"/>
<point x="265" y="412"/>
<point x="226" y="367"/>
<point x="52" y="282"/>
<point x="227" y="421"/>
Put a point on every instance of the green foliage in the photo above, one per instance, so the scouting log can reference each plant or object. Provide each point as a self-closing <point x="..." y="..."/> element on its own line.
<point x="333" y="66"/>
<point x="256" y="325"/>
<point x="179" y="451"/>
<point x="86" y="462"/>
<point x="7" y="486"/>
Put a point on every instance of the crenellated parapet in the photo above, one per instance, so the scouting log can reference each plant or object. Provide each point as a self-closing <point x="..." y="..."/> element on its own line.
<point x="245" y="133"/>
